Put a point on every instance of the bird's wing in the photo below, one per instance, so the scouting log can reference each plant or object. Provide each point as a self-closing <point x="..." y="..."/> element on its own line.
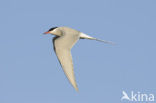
<point x="62" y="47"/>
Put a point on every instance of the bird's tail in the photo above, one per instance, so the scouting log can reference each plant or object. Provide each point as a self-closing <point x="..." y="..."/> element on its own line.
<point x="85" y="36"/>
<point x="108" y="42"/>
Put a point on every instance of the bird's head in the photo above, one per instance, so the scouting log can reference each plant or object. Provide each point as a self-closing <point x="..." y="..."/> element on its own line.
<point x="54" y="31"/>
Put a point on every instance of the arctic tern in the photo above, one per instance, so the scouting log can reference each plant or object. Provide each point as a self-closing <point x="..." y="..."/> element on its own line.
<point x="65" y="38"/>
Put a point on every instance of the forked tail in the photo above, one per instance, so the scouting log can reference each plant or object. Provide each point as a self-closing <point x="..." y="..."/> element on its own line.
<point x="85" y="36"/>
<point x="108" y="42"/>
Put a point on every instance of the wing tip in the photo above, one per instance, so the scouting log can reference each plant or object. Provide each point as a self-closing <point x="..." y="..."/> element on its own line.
<point x="76" y="88"/>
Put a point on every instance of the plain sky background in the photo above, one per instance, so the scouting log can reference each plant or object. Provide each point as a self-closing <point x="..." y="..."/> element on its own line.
<point x="30" y="71"/>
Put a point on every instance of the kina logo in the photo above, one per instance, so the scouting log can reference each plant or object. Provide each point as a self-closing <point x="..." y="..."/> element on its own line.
<point x="137" y="96"/>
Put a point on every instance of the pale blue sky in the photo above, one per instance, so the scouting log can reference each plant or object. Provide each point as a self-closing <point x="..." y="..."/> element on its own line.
<point x="29" y="69"/>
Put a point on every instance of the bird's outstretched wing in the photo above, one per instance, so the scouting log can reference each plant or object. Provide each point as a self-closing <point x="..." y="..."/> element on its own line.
<point x="62" y="47"/>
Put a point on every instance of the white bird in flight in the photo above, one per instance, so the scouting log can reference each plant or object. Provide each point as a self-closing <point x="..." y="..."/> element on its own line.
<point x="64" y="40"/>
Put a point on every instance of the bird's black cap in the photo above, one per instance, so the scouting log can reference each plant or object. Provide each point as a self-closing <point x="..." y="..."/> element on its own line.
<point x="52" y="28"/>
